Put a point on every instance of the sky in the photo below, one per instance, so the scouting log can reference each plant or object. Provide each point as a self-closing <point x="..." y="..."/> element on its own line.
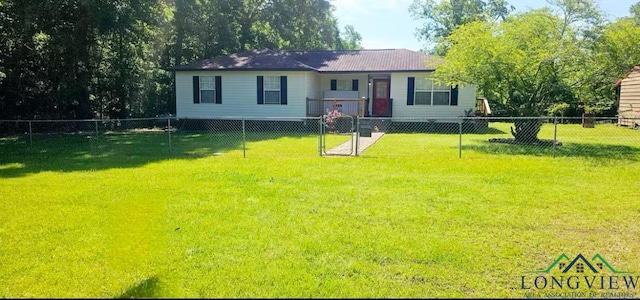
<point x="387" y="24"/>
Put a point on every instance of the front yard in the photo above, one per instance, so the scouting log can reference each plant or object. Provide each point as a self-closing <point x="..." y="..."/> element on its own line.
<point x="139" y="222"/>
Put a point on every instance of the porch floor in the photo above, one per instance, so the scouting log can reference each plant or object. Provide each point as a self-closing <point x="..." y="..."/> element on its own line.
<point x="365" y="142"/>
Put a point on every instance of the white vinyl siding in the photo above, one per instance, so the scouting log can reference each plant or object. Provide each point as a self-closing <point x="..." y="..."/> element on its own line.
<point x="240" y="95"/>
<point x="207" y="89"/>
<point x="325" y="82"/>
<point x="240" y="89"/>
<point x="466" y="100"/>
<point x="313" y="86"/>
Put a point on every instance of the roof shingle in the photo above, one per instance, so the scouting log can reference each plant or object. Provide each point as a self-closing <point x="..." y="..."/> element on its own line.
<point x="384" y="60"/>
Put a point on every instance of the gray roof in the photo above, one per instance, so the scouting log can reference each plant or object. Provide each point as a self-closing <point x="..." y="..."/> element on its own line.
<point x="384" y="60"/>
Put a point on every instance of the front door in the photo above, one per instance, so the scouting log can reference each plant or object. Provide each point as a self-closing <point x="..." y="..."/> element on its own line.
<point x="381" y="97"/>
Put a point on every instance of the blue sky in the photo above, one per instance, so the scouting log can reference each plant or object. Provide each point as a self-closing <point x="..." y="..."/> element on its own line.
<point x="386" y="24"/>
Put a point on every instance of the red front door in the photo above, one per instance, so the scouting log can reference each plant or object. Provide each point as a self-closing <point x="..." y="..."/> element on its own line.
<point x="381" y="97"/>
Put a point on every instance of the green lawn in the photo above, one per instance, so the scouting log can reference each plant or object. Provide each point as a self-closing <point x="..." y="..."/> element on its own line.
<point x="123" y="217"/>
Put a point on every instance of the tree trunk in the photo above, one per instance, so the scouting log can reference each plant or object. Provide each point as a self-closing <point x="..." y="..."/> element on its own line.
<point x="526" y="130"/>
<point x="180" y="29"/>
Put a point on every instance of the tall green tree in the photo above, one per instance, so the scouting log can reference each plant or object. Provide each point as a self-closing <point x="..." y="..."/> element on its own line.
<point x="352" y="40"/>
<point x="47" y="56"/>
<point x="208" y="28"/>
<point x="442" y="17"/>
<point x="70" y="59"/>
<point x="525" y="64"/>
<point x="611" y="54"/>
<point x="635" y="12"/>
<point x="126" y="60"/>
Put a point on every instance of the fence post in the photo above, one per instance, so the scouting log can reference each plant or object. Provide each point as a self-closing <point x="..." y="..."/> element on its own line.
<point x="320" y="136"/>
<point x="460" y="137"/>
<point x="95" y="122"/>
<point x="555" y="135"/>
<point x="357" y="134"/>
<point x="244" y="139"/>
<point x="30" y="136"/>
<point x="169" y="131"/>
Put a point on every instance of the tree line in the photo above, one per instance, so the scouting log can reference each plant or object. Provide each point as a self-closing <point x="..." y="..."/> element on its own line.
<point x="77" y="59"/>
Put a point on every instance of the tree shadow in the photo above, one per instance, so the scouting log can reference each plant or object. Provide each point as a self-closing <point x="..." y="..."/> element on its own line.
<point x="593" y="151"/>
<point x="489" y="130"/>
<point x="436" y="127"/>
<point x="147" y="288"/>
<point x="126" y="149"/>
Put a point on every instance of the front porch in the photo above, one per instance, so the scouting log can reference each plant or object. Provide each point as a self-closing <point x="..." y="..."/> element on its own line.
<point x="355" y="94"/>
<point x="348" y="106"/>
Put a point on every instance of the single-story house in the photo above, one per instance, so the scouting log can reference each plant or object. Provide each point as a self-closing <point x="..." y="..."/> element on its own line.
<point x="381" y="83"/>
<point x="629" y="102"/>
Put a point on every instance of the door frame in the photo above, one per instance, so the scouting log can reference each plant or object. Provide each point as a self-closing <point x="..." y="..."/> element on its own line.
<point x="373" y="80"/>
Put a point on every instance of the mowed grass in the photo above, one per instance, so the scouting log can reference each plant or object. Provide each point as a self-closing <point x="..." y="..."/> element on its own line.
<point x="123" y="217"/>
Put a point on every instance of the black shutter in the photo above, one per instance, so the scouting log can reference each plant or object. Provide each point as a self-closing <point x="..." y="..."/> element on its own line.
<point x="219" y="89"/>
<point x="354" y="85"/>
<point x="260" y="90"/>
<point x="454" y="96"/>
<point x="196" y="89"/>
<point x="283" y="90"/>
<point x="411" y="84"/>
<point x="334" y="84"/>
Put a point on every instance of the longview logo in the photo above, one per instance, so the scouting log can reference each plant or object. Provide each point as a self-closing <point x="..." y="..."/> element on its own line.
<point x="595" y="276"/>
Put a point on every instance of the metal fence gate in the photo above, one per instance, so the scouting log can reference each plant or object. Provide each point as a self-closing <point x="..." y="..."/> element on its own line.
<point x="337" y="136"/>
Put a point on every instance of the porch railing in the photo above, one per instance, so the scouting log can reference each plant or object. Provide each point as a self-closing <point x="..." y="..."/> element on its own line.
<point x="348" y="106"/>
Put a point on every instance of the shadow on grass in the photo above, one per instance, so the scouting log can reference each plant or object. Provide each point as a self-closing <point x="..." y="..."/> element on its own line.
<point x="147" y="288"/>
<point x="78" y="152"/>
<point x="595" y="151"/>
<point x="447" y="131"/>
<point x="489" y="130"/>
<point x="438" y="127"/>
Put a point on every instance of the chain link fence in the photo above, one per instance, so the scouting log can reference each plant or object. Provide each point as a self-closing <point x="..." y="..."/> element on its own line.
<point x="347" y="136"/>
<point x="597" y="137"/>
<point x="161" y="136"/>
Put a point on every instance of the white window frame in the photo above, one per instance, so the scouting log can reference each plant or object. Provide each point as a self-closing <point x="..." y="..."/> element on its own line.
<point x="267" y="88"/>
<point x="202" y="88"/>
<point x="433" y="87"/>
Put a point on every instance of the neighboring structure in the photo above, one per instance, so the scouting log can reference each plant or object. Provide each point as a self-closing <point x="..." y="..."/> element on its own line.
<point x="267" y="83"/>
<point x="629" y="104"/>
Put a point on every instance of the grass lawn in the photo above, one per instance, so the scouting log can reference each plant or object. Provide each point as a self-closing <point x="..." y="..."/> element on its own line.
<point x="123" y="217"/>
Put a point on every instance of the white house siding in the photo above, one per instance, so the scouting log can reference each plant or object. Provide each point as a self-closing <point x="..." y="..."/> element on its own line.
<point x="313" y="85"/>
<point x="630" y="99"/>
<point x="466" y="100"/>
<point x="239" y="89"/>
<point x="325" y="82"/>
